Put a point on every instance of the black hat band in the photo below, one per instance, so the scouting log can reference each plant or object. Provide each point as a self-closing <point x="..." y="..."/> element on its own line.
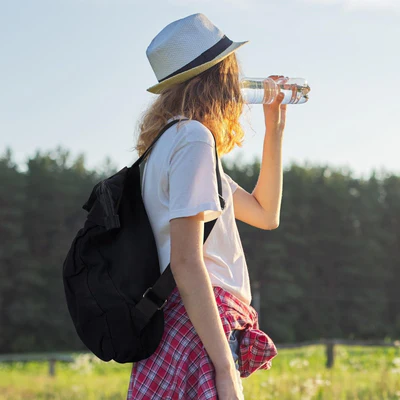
<point x="205" y="57"/>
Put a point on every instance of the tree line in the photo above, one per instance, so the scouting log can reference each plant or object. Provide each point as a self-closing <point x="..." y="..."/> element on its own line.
<point x="331" y="269"/>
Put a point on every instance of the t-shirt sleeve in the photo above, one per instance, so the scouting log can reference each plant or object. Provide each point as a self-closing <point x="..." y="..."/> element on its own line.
<point x="232" y="183"/>
<point x="192" y="181"/>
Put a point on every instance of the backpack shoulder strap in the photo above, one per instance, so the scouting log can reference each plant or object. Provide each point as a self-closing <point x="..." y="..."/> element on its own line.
<point x="140" y="161"/>
<point x="144" y="155"/>
<point x="165" y="284"/>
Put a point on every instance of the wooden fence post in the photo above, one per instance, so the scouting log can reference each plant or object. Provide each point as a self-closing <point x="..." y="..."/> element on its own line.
<point x="52" y="367"/>
<point x="330" y="353"/>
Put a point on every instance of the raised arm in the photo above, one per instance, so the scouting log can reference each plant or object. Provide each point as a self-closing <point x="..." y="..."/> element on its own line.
<point x="261" y="208"/>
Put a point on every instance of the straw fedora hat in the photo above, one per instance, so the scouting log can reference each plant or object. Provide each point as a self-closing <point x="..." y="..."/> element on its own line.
<point x="185" y="48"/>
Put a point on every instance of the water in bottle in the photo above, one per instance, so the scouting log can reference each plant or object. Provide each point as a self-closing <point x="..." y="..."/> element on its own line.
<point x="265" y="90"/>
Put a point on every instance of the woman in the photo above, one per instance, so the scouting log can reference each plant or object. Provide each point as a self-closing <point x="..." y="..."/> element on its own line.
<point x="209" y="323"/>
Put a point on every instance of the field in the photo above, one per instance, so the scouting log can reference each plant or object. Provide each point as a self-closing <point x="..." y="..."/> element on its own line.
<point x="367" y="373"/>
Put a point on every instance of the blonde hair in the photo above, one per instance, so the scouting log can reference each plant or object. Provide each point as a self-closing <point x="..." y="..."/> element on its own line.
<point x="212" y="98"/>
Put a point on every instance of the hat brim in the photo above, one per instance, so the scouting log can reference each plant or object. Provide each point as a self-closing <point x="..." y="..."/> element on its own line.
<point x="184" y="76"/>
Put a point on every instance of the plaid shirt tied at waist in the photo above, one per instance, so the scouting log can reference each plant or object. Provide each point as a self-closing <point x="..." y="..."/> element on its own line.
<point x="180" y="368"/>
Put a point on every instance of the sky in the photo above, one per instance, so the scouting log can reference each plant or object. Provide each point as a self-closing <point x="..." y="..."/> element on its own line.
<point x="74" y="73"/>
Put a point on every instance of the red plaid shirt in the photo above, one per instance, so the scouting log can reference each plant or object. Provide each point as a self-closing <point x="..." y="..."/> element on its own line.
<point x="181" y="369"/>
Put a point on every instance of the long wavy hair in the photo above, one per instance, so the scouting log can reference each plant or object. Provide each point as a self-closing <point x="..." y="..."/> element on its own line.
<point x="212" y="98"/>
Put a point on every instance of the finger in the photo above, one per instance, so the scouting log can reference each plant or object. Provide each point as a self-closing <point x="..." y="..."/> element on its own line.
<point x="277" y="101"/>
<point x="276" y="77"/>
<point x="280" y="98"/>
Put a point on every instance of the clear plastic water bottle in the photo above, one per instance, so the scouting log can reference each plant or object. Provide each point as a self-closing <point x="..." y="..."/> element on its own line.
<point x="265" y="90"/>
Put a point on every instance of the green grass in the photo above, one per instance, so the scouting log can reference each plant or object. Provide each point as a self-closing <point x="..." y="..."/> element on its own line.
<point x="367" y="373"/>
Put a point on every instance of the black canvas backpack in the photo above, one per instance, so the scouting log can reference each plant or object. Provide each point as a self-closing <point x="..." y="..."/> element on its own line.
<point x="111" y="274"/>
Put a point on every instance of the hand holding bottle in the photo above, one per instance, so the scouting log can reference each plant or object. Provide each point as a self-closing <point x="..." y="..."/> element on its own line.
<point x="275" y="112"/>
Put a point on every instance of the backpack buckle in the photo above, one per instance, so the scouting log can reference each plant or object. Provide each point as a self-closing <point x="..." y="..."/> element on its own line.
<point x="165" y="302"/>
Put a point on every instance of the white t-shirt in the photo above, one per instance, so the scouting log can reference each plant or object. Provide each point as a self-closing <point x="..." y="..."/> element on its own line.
<point x="179" y="180"/>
